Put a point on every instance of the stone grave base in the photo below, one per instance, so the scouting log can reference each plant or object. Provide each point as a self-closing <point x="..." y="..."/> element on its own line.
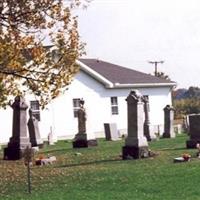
<point x="40" y="146"/>
<point x="80" y="144"/>
<point x="80" y="141"/>
<point x="132" y="152"/>
<point x="192" y="144"/>
<point x="168" y="135"/>
<point x="12" y="153"/>
<point x="84" y="143"/>
<point x="92" y="143"/>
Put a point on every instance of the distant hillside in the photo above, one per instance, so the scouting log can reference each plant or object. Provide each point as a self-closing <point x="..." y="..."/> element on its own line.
<point x="191" y="92"/>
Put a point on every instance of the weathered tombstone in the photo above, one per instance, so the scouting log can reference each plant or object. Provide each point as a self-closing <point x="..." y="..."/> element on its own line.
<point x="147" y="131"/>
<point x="19" y="140"/>
<point x="136" y="145"/>
<point x="178" y="129"/>
<point x="50" y="137"/>
<point x="111" y="131"/>
<point x="158" y="131"/>
<point x="194" y="121"/>
<point x="168" y="122"/>
<point x="80" y="139"/>
<point x="187" y="123"/>
<point x="34" y="132"/>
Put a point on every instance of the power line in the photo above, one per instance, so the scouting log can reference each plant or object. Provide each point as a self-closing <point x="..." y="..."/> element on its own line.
<point x="155" y="63"/>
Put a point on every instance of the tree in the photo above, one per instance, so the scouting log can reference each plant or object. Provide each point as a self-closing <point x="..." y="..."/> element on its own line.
<point x="162" y="75"/>
<point x="25" y="64"/>
<point x="186" y="101"/>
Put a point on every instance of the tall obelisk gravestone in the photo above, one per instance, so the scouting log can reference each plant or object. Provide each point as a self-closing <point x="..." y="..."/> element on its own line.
<point x="147" y="130"/>
<point x="168" y="122"/>
<point x="80" y="140"/>
<point x="136" y="145"/>
<point x="19" y="140"/>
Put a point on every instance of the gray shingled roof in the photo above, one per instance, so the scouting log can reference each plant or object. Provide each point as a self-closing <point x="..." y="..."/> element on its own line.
<point x="117" y="74"/>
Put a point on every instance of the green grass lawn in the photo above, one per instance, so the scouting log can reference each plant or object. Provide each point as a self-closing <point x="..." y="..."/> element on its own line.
<point x="100" y="173"/>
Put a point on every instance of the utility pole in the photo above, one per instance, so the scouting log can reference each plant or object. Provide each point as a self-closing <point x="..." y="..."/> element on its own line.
<point x="155" y="63"/>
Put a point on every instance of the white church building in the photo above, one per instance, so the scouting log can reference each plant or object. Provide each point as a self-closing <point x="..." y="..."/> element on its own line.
<point x="104" y="87"/>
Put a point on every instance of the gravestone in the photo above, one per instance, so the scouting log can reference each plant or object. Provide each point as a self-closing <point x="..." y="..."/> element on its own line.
<point x="187" y="123"/>
<point x="178" y="128"/>
<point x="19" y="140"/>
<point x="168" y="122"/>
<point x="80" y="140"/>
<point x="147" y="131"/>
<point x="50" y="137"/>
<point x="136" y="145"/>
<point x="34" y="132"/>
<point x="111" y="131"/>
<point x="194" y="131"/>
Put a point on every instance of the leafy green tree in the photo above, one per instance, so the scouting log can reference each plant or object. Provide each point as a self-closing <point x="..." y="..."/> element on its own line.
<point x="186" y="106"/>
<point x="186" y="103"/>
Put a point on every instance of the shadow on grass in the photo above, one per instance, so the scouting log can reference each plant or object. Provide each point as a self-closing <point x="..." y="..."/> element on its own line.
<point x="89" y="163"/>
<point x="58" y="150"/>
<point x="172" y="149"/>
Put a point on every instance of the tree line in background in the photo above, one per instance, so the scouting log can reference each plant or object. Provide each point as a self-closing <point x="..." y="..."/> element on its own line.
<point x="186" y="101"/>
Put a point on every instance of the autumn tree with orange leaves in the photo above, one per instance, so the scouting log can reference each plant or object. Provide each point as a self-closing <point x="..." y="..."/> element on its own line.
<point x="26" y="64"/>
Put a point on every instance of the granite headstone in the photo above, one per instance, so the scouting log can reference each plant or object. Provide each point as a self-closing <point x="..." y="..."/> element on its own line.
<point x="80" y="140"/>
<point x="136" y="145"/>
<point x="111" y="131"/>
<point x="168" y="122"/>
<point x="147" y="130"/>
<point x="194" y="131"/>
<point x="19" y="140"/>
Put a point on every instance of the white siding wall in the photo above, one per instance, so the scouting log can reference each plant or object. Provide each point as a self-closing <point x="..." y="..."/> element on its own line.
<point x="59" y="114"/>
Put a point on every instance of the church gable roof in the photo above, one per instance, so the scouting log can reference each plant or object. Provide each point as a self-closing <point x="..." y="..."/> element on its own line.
<point x="118" y="76"/>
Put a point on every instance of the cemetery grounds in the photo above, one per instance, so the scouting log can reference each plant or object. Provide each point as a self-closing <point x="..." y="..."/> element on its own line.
<point x="100" y="173"/>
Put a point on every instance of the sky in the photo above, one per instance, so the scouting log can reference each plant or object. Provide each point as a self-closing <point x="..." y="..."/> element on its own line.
<point x="132" y="32"/>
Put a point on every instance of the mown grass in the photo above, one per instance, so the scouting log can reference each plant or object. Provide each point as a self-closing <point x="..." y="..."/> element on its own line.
<point x="100" y="173"/>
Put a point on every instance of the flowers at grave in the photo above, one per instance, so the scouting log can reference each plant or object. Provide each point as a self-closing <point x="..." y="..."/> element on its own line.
<point x="42" y="160"/>
<point x="40" y="157"/>
<point x="186" y="156"/>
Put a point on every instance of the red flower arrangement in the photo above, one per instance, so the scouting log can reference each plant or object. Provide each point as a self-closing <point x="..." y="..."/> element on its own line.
<point x="186" y="156"/>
